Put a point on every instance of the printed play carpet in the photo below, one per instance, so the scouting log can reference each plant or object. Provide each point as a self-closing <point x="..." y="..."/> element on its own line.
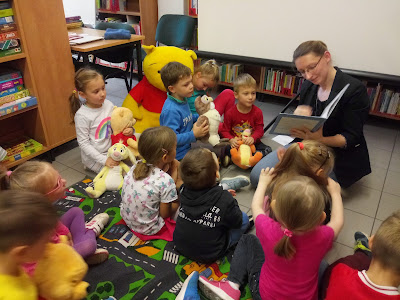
<point x="135" y="269"/>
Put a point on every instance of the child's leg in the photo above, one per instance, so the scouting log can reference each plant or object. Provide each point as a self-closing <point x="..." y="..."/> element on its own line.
<point x="264" y="149"/>
<point x="224" y="101"/>
<point x="235" y="234"/>
<point x="245" y="268"/>
<point x="84" y="240"/>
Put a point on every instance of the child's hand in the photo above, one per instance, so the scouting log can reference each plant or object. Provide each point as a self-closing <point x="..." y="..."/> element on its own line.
<point x="173" y="169"/>
<point x="232" y="192"/>
<point x="333" y="187"/>
<point x="234" y="142"/>
<point x="248" y="140"/>
<point x="202" y="130"/>
<point x="111" y="163"/>
<point x="127" y="131"/>
<point x="266" y="176"/>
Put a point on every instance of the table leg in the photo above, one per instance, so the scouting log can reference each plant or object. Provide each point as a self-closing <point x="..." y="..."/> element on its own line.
<point x="138" y="47"/>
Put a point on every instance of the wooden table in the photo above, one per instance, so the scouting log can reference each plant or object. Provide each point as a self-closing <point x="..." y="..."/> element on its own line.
<point x="105" y="45"/>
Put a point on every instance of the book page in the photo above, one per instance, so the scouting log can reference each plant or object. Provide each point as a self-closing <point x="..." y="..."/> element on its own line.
<point x="285" y="122"/>
<point x="331" y="106"/>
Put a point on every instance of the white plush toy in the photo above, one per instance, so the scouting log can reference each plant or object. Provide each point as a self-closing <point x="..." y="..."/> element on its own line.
<point x="111" y="179"/>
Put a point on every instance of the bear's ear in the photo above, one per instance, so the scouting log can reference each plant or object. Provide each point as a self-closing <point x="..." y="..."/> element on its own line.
<point x="149" y="49"/>
<point x="192" y="54"/>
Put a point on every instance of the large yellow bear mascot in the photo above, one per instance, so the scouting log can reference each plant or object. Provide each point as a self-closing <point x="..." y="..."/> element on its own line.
<point x="147" y="98"/>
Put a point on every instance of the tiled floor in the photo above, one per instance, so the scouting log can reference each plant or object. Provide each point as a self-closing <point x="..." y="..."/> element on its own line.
<point x="367" y="203"/>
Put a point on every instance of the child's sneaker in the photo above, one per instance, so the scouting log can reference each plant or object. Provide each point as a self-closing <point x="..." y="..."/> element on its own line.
<point x="99" y="256"/>
<point x="361" y="241"/>
<point x="189" y="288"/>
<point x="218" y="290"/>
<point x="98" y="223"/>
<point x="235" y="183"/>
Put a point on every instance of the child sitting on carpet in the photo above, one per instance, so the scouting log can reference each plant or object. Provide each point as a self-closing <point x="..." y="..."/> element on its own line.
<point x="149" y="193"/>
<point x="209" y="220"/>
<point x="293" y="247"/>
<point x="41" y="177"/>
<point x="27" y="221"/>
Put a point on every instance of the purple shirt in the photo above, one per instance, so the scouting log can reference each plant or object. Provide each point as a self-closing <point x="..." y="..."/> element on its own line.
<point x="296" y="278"/>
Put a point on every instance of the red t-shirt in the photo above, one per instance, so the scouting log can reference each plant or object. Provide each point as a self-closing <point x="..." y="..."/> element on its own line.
<point x="348" y="283"/>
<point x="235" y="123"/>
<point x="149" y="96"/>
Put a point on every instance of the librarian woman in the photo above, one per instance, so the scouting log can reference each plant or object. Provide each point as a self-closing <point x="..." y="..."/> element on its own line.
<point x="343" y="130"/>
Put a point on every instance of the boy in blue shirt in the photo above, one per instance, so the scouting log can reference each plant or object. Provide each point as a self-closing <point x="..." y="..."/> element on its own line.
<point x="176" y="114"/>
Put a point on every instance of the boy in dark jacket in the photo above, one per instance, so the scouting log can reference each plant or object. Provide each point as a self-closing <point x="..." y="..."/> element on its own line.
<point x="209" y="219"/>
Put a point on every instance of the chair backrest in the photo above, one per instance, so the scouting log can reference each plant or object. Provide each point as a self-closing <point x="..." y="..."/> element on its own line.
<point x="105" y="25"/>
<point x="124" y="53"/>
<point x="175" y="30"/>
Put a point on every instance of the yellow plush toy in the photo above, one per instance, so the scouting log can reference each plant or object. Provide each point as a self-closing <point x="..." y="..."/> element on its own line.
<point x="111" y="179"/>
<point x="59" y="274"/>
<point x="243" y="156"/>
<point x="147" y="98"/>
<point x="122" y="118"/>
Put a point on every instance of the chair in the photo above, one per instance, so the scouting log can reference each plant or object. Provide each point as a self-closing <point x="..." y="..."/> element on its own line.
<point x="123" y="54"/>
<point x="175" y="30"/>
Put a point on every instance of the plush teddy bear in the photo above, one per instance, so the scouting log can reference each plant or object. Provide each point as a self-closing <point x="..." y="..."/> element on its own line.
<point x="122" y="118"/>
<point x="59" y="274"/>
<point x="147" y="98"/>
<point x="206" y="109"/>
<point x="110" y="179"/>
<point x="243" y="156"/>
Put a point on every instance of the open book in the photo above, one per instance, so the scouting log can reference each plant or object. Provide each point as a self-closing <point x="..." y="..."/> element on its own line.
<point x="285" y="122"/>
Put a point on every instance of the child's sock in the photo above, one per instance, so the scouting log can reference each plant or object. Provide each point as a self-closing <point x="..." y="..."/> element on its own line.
<point x="234" y="285"/>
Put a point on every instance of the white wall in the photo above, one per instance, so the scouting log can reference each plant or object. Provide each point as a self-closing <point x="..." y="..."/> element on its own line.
<point x="176" y="7"/>
<point x="84" y="8"/>
<point x="361" y="34"/>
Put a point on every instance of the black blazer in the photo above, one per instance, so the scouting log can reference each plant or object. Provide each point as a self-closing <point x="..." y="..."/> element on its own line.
<point x="348" y="118"/>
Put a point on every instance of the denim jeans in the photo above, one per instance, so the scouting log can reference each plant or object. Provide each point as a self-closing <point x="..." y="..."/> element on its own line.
<point x="235" y="234"/>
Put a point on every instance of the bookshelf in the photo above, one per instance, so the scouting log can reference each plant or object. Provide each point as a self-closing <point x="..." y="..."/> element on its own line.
<point x="144" y="12"/>
<point x="258" y="68"/>
<point x="48" y="73"/>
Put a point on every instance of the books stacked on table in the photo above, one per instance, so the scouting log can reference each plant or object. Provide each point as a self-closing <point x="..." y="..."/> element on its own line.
<point x="13" y="95"/>
<point x="20" y="147"/>
<point x="74" y="22"/>
<point x="9" y="37"/>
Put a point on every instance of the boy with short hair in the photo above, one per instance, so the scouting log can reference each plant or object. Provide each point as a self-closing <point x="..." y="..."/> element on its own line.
<point x="209" y="220"/>
<point x="381" y="280"/>
<point x="27" y="221"/>
<point x="176" y="114"/>
<point x="245" y="115"/>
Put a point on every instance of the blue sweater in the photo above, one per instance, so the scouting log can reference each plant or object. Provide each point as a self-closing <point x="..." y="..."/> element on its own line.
<point x="176" y="115"/>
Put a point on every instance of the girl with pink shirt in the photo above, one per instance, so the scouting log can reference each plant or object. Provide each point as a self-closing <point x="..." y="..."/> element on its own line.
<point x="283" y="262"/>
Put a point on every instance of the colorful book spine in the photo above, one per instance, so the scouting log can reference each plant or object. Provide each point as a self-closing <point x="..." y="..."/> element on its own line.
<point x="73" y="19"/>
<point x="9" y="74"/>
<point x="20" y="148"/>
<point x="10" y="52"/>
<point x="9" y="44"/>
<point x="10" y="84"/>
<point x="10" y="91"/>
<point x="6" y="12"/>
<point x="6" y="20"/>
<point x="8" y="27"/>
<point x="5" y="5"/>
<point x="9" y="35"/>
<point x="17" y="105"/>
<point x="13" y="97"/>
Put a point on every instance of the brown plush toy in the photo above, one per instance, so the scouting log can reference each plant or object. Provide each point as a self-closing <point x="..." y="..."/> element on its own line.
<point x="122" y="118"/>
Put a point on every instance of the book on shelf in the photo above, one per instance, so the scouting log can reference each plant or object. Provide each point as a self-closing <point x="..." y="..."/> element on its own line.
<point x="11" y="90"/>
<point x="17" y="105"/>
<point x="193" y="7"/>
<point x="11" y="84"/>
<point x="6" y="12"/>
<point x="9" y="44"/>
<point x="9" y="52"/>
<point x="20" y="147"/>
<point x="9" y="35"/>
<point x="15" y="96"/>
<point x="7" y="74"/>
<point x="285" y="122"/>
<point x="5" y="5"/>
<point x="8" y="27"/>
<point x="6" y="20"/>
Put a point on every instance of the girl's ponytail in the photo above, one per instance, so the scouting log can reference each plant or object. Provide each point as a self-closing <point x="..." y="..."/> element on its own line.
<point x="284" y="247"/>
<point x="142" y="170"/>
<point x="74" y="104"/>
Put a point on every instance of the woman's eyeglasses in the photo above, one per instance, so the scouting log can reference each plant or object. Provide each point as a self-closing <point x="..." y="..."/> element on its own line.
<point x="309" y="69"/>
<point x="59" y="184"/>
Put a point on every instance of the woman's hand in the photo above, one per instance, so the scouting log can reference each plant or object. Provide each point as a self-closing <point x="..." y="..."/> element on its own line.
<point x="305" y="134"/>
<point x="303" y="110"/>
